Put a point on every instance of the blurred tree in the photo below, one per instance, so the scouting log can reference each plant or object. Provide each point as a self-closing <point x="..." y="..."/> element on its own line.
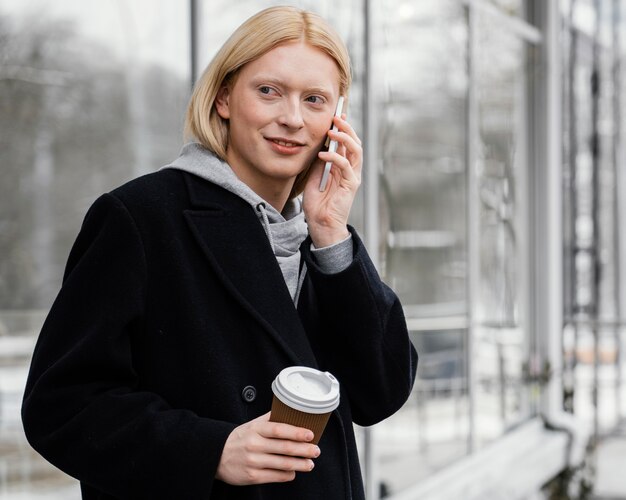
<point x="68" y="134"/>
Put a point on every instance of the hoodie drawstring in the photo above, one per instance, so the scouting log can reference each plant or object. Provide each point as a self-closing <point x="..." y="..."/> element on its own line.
<point x="266" y="224"/>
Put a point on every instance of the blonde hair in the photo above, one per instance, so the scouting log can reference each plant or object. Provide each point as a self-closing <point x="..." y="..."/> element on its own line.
<point x="255" y="37"/>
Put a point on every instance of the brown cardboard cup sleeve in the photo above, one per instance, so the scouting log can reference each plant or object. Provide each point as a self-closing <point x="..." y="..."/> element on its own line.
<point x="304" y="397"/>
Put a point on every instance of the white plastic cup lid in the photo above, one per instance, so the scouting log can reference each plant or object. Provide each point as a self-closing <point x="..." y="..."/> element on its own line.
<point x="307" y="389"/>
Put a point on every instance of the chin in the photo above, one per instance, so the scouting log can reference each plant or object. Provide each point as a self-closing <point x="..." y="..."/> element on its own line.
<point x="288" y="171"/>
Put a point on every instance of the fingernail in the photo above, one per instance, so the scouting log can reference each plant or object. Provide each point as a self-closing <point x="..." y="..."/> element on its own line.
<point x="317" y="451"/>
<point x="311" y="464"/>
<point x="309" y="436"/>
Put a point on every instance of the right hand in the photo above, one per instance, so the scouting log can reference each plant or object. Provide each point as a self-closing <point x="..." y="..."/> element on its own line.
<point x="261" y="451"/>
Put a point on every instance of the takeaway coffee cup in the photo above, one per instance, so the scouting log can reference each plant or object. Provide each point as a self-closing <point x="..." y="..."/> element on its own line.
<point x="304" y="397"/>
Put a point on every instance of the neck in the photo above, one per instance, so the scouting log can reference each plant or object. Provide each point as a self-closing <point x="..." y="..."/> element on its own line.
<point x="273" y="191"/>
<point x="274" y="196"/>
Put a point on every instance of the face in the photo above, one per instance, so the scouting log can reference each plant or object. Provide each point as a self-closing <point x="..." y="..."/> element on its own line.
<point x="279" y="110"/>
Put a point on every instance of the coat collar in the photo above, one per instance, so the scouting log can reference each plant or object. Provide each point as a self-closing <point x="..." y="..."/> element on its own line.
<point x="235" y="245"/>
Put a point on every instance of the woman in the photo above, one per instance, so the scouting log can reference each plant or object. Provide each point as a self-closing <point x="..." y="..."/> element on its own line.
<point x="188" y="290"/>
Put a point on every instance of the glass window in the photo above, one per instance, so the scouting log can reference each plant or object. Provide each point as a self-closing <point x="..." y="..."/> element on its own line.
<point x="579" y="337"/>
<point x="501" y="335"/>
<point x="592" y="336"/>
<point x="91" y="94"/>
<point x="422" y="144"/>
<point x="608" y="219"/>
<point x="511" y="7"/>
<point x="424" y="187"/>
<point x="422" y="63"/>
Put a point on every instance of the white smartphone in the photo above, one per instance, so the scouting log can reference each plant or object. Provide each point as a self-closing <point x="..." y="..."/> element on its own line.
<point x="332" y="147"/>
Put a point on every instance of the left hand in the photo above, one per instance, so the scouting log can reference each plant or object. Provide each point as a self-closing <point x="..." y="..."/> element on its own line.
<point x="327" y="212"/>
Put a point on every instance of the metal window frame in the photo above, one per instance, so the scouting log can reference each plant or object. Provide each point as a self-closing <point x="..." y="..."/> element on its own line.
<point x="619" y="205"/>
<point x="371" y="211"/>
<point x="546" y="206"/>
<point x="193" y="41"/>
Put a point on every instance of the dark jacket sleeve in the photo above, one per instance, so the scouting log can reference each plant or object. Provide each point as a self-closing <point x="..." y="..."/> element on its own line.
<point x="363" y="336"/>
<point x="82" y="408"/>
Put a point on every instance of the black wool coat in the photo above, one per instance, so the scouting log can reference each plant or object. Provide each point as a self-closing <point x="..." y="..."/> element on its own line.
<point x="172" y="322"/>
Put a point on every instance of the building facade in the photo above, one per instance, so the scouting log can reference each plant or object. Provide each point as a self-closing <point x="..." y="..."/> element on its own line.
<point x="494" y="181"/>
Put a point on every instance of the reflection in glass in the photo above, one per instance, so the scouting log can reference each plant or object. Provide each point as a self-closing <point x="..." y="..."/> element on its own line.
<point x="510" y="7"/>
<point x="92" y="94"/>
<point x="431" y="430"/>
<point x="500" y="337"/>
<point x="593" y="120"/>
<point x="423" y="145"/>
<point x="422" y="111"/>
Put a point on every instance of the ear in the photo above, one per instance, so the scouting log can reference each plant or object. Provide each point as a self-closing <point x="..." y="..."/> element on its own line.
<point x="222" y="102"/>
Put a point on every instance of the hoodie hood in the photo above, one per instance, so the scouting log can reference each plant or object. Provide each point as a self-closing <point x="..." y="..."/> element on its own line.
<point x="286" y="231"/>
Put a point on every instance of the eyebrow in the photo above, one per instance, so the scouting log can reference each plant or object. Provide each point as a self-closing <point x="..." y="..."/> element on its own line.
<point x="281" y="83"/>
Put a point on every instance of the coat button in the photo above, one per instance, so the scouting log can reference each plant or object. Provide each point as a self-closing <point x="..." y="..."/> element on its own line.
<point x="248" y="394"/>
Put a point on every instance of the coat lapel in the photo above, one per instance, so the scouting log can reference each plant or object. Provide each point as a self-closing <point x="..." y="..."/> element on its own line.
<point x="237" y="248"/>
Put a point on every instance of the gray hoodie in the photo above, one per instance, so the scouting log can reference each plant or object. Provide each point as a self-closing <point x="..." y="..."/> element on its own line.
<point x="286" y="231"/>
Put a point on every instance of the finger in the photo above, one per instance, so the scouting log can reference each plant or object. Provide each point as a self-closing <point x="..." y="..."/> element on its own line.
<point x="257" y="461"/>
<point x="342" y="164"/>
<point x="264" y="476"/>
<point x="351" y="149"/>
<point x="276" y="430"/>
<point x="344" y="126"/>
<point x="290" y="448"/>
<point x="278" y="476"/>
<point x="288" y="464"/>
<point x="341" y="149"/>
<point x="351" y="145"/>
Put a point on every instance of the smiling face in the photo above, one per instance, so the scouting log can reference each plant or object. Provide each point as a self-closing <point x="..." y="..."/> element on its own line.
<point x="279" y="109"/>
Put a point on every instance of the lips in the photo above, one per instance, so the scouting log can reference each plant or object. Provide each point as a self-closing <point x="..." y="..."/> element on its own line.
<point x="284" y="142"/>
<point x="284" y="146"/>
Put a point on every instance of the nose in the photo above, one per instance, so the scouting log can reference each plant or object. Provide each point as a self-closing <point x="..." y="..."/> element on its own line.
<point x="291" y="115"/>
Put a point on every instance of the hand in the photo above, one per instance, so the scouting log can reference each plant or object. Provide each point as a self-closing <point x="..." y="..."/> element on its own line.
<point x="327" y="212"/>
<point x="261" y="451"/>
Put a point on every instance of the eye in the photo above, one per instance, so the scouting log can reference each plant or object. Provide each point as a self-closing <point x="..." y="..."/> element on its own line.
<point x="266" y="90"/>
<point x="315" y="99"/>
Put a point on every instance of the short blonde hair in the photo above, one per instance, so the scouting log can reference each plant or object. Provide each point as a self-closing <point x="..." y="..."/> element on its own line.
<point x="255" y="37"/>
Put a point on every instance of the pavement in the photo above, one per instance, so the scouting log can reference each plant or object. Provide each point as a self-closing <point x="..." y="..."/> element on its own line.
<point x="610" y="482"/>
